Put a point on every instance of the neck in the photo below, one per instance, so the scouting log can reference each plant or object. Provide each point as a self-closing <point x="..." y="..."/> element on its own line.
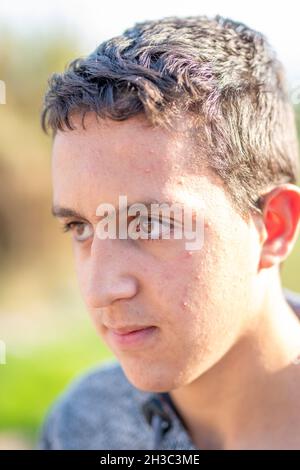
<point x="247" y="399"/>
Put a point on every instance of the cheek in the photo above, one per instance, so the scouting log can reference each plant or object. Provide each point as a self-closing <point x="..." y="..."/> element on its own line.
<point x="182" y="282"/>
<point x="190" y="290"/>
<point x="200" y="324"/>
<point x="82" y="273"/>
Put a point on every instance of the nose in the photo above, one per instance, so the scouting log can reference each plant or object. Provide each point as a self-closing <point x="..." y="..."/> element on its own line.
<point x="108" y="274"/>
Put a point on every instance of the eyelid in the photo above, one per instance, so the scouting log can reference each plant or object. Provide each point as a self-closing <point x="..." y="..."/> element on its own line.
<point x="157" y="217"/>
<point x="68" y="226"/>
<point x="170" y="223"/>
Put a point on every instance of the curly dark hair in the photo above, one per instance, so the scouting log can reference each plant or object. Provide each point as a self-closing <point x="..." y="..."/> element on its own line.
<point x="222" y="74"/>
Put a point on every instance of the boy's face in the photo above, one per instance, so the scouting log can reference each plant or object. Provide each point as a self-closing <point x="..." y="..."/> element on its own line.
<point x="199" y="303"/>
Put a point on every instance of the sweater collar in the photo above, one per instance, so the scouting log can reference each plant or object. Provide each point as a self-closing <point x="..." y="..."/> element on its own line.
<point x="168" y="427"/>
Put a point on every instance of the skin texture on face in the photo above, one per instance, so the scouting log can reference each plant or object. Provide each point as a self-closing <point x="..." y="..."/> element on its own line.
<point x="200" y="302"/>
<point x="224" y="334"/>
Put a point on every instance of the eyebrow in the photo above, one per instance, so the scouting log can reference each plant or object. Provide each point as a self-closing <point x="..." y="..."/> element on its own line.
<point x="60" y="212"/>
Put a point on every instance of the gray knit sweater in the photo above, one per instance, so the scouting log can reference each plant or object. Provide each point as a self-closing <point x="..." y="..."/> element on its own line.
<point x="102" y="410"/>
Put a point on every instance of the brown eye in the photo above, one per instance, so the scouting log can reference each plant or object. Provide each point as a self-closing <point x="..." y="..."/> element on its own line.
<point x="81" y="231"/>
<point x="153" y="228"/>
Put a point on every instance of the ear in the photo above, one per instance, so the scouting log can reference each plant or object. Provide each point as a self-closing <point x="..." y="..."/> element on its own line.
<point x="281" y="219"/>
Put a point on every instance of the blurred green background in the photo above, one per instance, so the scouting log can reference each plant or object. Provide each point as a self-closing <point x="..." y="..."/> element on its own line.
<point x="48" y="335"/>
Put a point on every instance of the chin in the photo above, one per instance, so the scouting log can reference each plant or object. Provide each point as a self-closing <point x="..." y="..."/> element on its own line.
<point x="150" y="379"/>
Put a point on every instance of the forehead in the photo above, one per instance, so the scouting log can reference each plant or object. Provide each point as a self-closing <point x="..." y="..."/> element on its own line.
<point x="129" y="155"/>
<point x="120" y="145"/>
<point x="130" y="158"/>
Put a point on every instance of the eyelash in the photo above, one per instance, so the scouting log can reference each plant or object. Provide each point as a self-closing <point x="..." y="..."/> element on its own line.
<point x="68" y="226"/>
<point x="158" y="239"/>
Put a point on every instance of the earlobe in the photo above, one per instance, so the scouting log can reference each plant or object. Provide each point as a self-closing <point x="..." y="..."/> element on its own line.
<point x="281" y="218"/>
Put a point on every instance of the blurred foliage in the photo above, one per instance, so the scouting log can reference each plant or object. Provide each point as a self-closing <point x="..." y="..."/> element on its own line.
<point x="42" y="320"/>
<point x="32" y="379"/>
<point x="49" y="339"/>
<point x="290" y="274"/>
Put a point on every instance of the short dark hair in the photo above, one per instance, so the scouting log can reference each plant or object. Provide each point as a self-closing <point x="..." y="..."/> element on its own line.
<point x="222" y="73"/>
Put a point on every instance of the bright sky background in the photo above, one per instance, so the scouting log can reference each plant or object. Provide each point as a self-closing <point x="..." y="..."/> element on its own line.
<point x="96" y="20"/>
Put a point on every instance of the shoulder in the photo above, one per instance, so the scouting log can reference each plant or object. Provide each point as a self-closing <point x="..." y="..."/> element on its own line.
<point x="100" y="409"/>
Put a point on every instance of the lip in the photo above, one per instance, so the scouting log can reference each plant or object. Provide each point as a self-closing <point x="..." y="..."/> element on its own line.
<point x="132" y="337"/>
<point x="129" y="329"/>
